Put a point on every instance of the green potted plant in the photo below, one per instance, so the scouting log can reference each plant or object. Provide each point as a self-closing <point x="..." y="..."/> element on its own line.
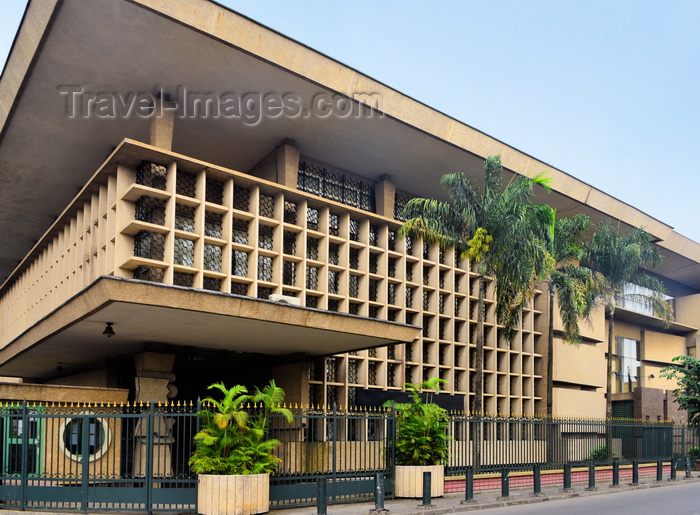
<point x="422" y="443"/>
<point x="233" y="458"/>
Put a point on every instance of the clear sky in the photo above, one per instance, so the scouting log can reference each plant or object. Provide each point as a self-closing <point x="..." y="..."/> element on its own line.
<point x="605" y="90"/>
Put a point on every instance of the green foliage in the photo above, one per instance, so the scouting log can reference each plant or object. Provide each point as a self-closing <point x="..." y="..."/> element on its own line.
<point x="231" y="441"/>
<point x="619" y="257"/>
<point x="598" y="454"/>
<point x="686" y="371"/>
<point x="421" y="427"/>
<point x="694" y="452"/>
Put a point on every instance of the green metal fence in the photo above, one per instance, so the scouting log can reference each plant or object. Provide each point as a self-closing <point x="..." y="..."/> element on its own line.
<point x="134" y="458"/>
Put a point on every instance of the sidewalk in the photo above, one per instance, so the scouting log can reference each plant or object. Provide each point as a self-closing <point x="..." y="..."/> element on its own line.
<point x="484" y="499"/>
<point x="450" y="503"/>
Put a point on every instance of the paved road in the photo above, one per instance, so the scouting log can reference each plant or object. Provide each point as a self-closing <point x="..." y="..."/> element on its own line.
<point x="681" y="499"/>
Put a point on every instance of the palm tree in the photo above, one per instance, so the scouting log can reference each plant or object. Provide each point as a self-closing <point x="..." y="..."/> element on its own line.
<point x="574" y="287"/>
<point x="497" y="230"/>
<point x="620" y="257"/>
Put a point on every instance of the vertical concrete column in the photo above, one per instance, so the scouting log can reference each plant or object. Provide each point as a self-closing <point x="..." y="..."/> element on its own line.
<point x="163" y="122"/>
<point x="384" y="193"/>
<point x="288" y="164"/>
<point x="154" y="382"/>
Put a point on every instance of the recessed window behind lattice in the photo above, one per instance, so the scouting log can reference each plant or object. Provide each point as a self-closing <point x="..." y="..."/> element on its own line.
<point x="333" y="253"/>
<point x="289" y="270"/>
<point x="149" y="273"/>
<point x="241" y="198"/>
<point x="212" y="257"/>
<point x="182" y="279"/>
<point x="264" y="268"/>
<point x="212" y="284"/>
<point x="267" y="206"/>
<point x="426" y="300"/>
<point x="239" y="289"/>
<point x="333" y="281"/>
<point x="312" y="277"/>
<point x="373" y="289"/>
<point x="149" y="245"/>
<point x="373" y="235"/>
<point x="312" y="218"/>
<point x="311" y="301"/>
<point x="333" y="224"/>
<point x="334" y="185"/>
<point x="151" y="210"/>
<point x="391" y="374"/>
<point x="186" y="184"/>
<point x="354" y="286"/>
<point x="426" y="251"/>
<point x="409" y="246"/>
<point x="151" y="174"/>
<point x="442" y="279"/>
<point x="265" y="237"/>
<point x="184" y="252"/>
<point x="400" y="201"/>
<point x="409" y="297"/>
<point x="372" y="372"/>
<point x="456" y="313"/>
<point x="426" y="275"/>
<point x="354" y="230"/>
<point x="441" y="303"/>
<point x="289" y="243"/>
<point x="392" y="267"/>
<point x="443" y="329"/>
<point x="374" y="311"/>
<point x="391" y="293"/>
<point x="264" y="292"/>
<point x="352" y="371"/>
<point x="373" y="263"/>
<point x="290" y="213"/>
<point x="426" y="330"/>
<point x="184" y="218"/>
<point x="392" y="240"/>
<point x="333" y="305"/>
<point x="240" y="263"/>
<point x="355" y="259"/>
<point x="213" y="223"/>
<point x="312" y="248"/>
<point x="354" y="308"/>
<point x="214" y="192"/>
<point x="240" y="231"/>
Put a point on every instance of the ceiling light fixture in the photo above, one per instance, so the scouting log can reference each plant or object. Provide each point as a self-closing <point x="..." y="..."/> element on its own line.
<point x="108" y="332"/>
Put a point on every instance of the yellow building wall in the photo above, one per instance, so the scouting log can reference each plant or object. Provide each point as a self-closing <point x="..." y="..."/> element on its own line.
<point x="688" y="310"/>
<point x="661" y="347"/>
<point x="591" y="328"/>
<point x="657" y="381"/>
<point x="580" y="364"/>
<point x="578" y="403"/>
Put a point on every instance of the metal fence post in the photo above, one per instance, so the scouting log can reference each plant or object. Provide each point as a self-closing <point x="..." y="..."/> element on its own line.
<point x="85" y="460"/>
<point x="427" y="488"/>
<point x="321" y="508"/>
<point x="591" y="477"/>
<point x="659" y="470"/>
<point x="537" y="480"/>
<point x="469" y="487"/>
<point x="616" y="473"/>
<point x="24" y="466"/>
<point x="672" y="477"/>
<point x="379" y="492"/>
<point x="567" y="477"/>
<point x="505" y="483"/>
<point x="688" y="466"/>
<point x="149" y="457"/>
<point x="635" y="473"/>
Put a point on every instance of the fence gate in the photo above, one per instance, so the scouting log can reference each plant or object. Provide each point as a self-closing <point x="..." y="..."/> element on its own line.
<point x="97" y="457"/>
<point x="346" y="448"/>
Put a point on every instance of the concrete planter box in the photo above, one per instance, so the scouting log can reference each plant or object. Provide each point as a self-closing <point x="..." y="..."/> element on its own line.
<point x="233" y="495"/>
<point x="409" y="481"/>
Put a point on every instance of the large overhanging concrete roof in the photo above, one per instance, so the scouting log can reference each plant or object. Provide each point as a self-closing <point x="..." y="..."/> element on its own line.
<point x="123" y="47"/>
<point x="147" y="313"/>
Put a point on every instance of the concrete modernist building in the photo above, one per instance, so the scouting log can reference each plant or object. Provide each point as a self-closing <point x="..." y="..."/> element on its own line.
<point x="227" y="200"/>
